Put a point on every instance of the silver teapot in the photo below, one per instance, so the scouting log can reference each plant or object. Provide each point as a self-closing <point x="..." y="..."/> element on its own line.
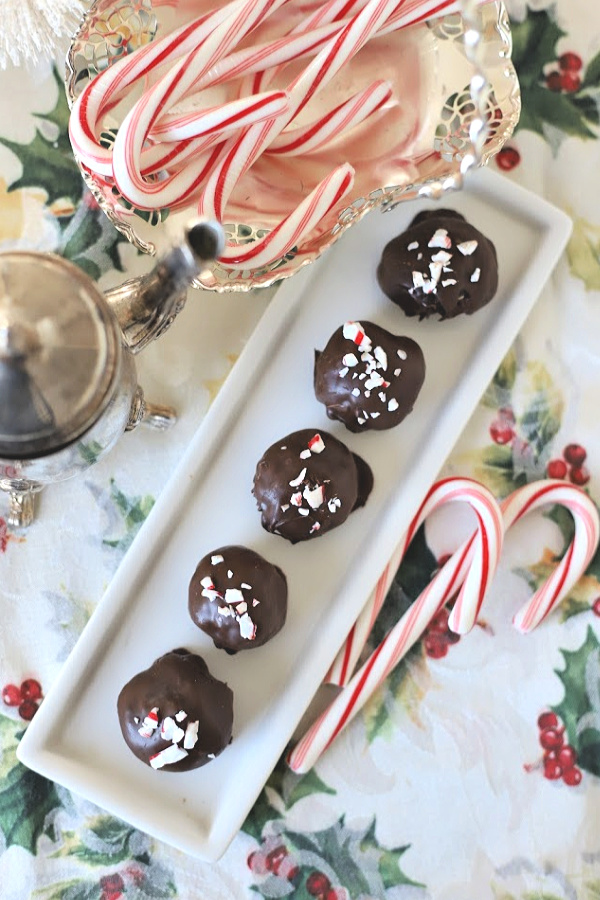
<point x="68" y="385"/>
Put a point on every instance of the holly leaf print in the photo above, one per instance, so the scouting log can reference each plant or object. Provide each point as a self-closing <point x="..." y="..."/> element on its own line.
<point x="542" y="417"/>
<point x="48" y="160"/>
<point x="25" y="797"/>
<point x="289" y="788"/>
<point x="580" y="708"/>
<point x="553" y="98"/>
<point x="583" y="253"/>
<point x="499" y="390"/>
<point x="495" y="468"/>
<point x="133" y="510"/>
<point x="91" y="241"/>
<point x="107" y="841"/>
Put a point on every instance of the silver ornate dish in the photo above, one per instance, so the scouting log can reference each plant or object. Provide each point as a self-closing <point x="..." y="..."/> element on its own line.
<point x="459" y="103"/>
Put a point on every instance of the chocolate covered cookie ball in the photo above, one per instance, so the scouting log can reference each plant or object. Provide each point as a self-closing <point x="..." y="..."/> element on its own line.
<point x="308" y="483"/>
<point x="175" y="716"/>
<point x="238" y="598"/>
<point x="441" y="265"/>
<point x="367" y="377"/>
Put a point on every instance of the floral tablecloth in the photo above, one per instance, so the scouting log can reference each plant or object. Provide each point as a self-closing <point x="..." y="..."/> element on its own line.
<point x="440" y="788"/>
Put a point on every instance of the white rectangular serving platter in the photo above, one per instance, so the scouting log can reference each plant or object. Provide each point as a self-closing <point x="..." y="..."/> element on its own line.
<point x="75" y="737"/>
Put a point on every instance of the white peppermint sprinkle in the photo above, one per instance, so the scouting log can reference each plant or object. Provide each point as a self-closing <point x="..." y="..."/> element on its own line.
<point x="168" y="756"/>
<point x="381" y="357"/>
<point x="419" y="256"/>
<point x="315" y="497"/>
<point x="441" y="257"/>
<point x="334" y="504"/>
<point x="356" y="392"/>
<point x="382" y="396"/>
<point x="191" y="735"/>
<point x="436" y="271"/>
<point x="241" y="608"/>
<point x="299" y="479"/>
<point x="393" y="404"/>
<point x="246" y="587"/>
<point x="207" y="582"/>
<point x="401" y="354"/>
<point x="440" y="239"/>
<point x="343" y="372"/>
<point x="374" y="380"/>
<point x="349" y="359"/>
<point x="229" y="573"/>
<point x="233" y="596"/>
<point x="255" y="602"/>
<point x="285" y="507"/>
<point x="136" y="720"/>
<point x="315" y="527"/>
<point x="448" y="282"/>
<point x="247" y="627"/>
<point x="418" y="279"/>
<point x="355" y="374"/>
<point x="360" y="421"/>
<point x="180" y="716"/>
<point x="367" y="394"/>
<point x="362" y="376"/>
<point x="306" y="453"/>
<point x="167" y="727"/>
<point x="216" y="559"/>
<point x="296" y="499"/>
<point x="414" y="245"/>
<point x="284" y="447"/>
<point x="302" y="511"/>
<point x="316" y="444"/>
<point x="224" y="611"/>
<point x="467" y="247"/>
<point x="211" y="756"/>
<point x="397" y="372"/>
<point x="475" y="275"/>
<point x="374" y="415"/>
<point x="177" y="734"/>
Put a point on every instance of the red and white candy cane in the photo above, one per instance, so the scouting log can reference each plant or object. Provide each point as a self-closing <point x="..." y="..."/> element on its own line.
<point x="579" y="552"/>
<point x="341" y="119"/>
<point x="108" y="87"/>
<point x="134" y="131"/>
<point x="473" y="564"/>
<point x="448" y="490"/>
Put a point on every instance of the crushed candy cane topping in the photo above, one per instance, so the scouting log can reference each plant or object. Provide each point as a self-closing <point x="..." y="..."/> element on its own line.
<point x="475" y="275"/>
<point x="170" y="731"/>
<point x="467" y="247"/>
<point x="216" y="559"/>
<point x="373" y="359"/>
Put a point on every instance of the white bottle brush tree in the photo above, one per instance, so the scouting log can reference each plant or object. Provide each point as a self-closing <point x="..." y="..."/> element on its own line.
<point x="31" y="30"/>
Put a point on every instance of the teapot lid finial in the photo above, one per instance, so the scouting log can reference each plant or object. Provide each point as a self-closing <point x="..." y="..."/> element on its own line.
<point x="59" y="354"/>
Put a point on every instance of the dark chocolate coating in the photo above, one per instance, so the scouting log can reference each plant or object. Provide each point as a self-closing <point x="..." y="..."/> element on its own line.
<point x="246" y="619"/>
<point x="423" y="282"/>
<point x="342" y="479"/>
<point x="179" y="680"/>
<point x="349" y="391"/>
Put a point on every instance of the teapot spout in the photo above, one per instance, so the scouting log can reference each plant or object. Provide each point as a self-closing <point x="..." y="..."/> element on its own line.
<point x="146" y="306"/>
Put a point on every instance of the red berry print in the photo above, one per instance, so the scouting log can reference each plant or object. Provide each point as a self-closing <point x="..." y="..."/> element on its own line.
<point x="28" y="709"/>
<point x="11" y="695"/>
<point x="550" y="739"/>
<point x="554" y="82"/>
<point x="440" y="622"/>
<point x="552" y="770"/>
<point x="570" y="82"/>
<point x="572" y="776"/>
<point x="275" y="858"/>
<point x="547" y="720"/>
<point x="596" y="607"/>
<point x="336" y="893"/>
<point x="570" y="62"/>
<point x="556" y="468"/>
<point x="31" y="689"/>
<point x="436" y="646"/>
<point x="575" y="454"/>
<point x="508" y="158"/>
<point x="112" y="887"/>
<point x="257" y="862"/>
<point x="579" y="476"/>
<point x="567" y="757"/>
<point x="501" y="434"/>
<point x="317" y="884"/>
